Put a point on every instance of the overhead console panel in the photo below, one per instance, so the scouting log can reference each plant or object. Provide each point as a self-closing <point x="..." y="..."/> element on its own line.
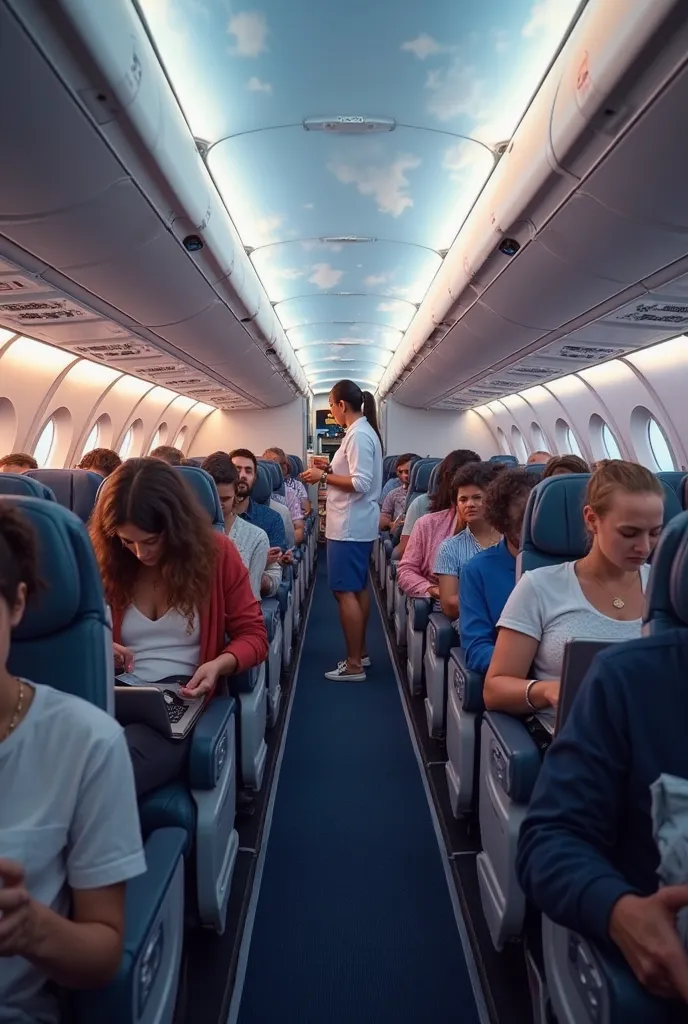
<point x="585" y="209"/>
<point x="105" y="200"/>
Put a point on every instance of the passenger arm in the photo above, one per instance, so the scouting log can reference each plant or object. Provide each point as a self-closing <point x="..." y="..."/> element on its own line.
<point x="299" y="529"/>
<point x="449" y="595"/>
<point x="410" y="578"/>
<point x="244" y="622"/>
<point x="477" y="627"/>
<point x="569" y="834"/>
<point x="386" y="512"/>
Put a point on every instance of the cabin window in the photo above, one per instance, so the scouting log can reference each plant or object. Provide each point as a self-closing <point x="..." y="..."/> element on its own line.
<point x="503" y="442"/>
<point x="125" y="446"/>
<point x="610" y="444"/>
<point x="520" y="449"/>
<point x="180" y="439"/>
<point x="45" y="444"/>
<point x="159" y="437"/>
<point x="92" y="439"/>
<point x="567" y="442"/>
<point x="540" y="442"/>
<point x="659" y="446"/>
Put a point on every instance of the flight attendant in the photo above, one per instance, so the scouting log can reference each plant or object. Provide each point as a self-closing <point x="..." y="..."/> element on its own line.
<point x="354" y="485"/>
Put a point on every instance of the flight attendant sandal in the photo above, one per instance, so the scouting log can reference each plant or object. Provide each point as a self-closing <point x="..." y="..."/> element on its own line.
<point x="177" y="588"/>
<point x="354" y="485"/>
<point x="69" y="824"/>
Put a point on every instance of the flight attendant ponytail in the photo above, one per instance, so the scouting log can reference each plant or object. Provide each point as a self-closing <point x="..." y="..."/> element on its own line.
<point x="360" y="401"/>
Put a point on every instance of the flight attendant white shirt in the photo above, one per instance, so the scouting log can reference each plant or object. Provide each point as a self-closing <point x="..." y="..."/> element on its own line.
<point x="355" y="515"/>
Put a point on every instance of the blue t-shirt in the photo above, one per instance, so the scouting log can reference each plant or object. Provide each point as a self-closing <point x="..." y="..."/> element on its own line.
<point x="587" y="838"/>
<point x="486" y="582"/>
<point x="267" y="519"/>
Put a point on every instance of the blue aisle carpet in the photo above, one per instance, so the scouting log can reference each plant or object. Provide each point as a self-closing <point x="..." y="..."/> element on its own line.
<point x="354" y="923"/>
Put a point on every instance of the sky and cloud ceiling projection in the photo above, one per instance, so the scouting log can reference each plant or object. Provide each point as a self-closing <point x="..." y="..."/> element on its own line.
<point x="347" y="229"/>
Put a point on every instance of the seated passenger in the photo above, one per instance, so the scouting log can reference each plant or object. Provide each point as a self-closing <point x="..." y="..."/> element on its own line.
<point x="394" y="501"/>
<point x="177" y="589"/>
<point x="246" y="508"/>
<point x="561" y="465"/>
<point x="290" y="481"/>
<point x="425" y="503"/>
<point x="17" y="462"/>
<point x="402" y="472"/>
<point x="172" y="456"/>
<point x="469" y="485"/>
<point x="289" y="498"/>
<point x="535" y="458"/>
<point x="415" y="570"/>
<point x="586" y="854"/>
<point x="488" y="579"/>
<point x="69" y="824"/>
<point x="598" y="597"/>
<point x="251" y="542"/>
<point x="102" y="461"/>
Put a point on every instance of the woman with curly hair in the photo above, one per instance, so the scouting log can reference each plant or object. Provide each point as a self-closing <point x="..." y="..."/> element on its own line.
<point x="176" y="589"/>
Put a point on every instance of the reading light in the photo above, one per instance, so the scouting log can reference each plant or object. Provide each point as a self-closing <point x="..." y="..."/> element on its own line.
<point x="349" y="123"/>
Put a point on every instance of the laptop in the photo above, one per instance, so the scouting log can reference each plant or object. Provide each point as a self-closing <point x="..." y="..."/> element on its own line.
<point x="158" y="705"/>
<point x="578" y="657"/>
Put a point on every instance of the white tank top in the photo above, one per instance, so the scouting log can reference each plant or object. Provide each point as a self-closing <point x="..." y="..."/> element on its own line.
<point x="164" y="647"/>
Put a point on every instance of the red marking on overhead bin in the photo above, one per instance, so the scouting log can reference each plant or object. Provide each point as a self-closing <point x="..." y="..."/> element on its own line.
<point x="583" y="79"/>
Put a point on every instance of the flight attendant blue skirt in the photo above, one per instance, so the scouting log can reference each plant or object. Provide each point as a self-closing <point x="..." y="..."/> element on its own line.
<point x="347" y="565"/>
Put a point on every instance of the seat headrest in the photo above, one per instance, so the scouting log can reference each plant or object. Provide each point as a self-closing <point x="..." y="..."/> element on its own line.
<point x="419" y="477"/>
<point x="553" y="527"/>
<point x="666" y="599"/>
<point x="75" y="489"/>
<point x="508" y="460"/>
<point x="536" y="468"/>
<point x="675" y="480"/>
<point x="203" y="486"/>
<point x="262" y="488"/>
<point x="196" y="460"/>
<point x="20" y="484"/>
<point x="294" y="466"/>
<point x="274" y="473"/>
<point x="434" y="479"/>
<point x="68" y="568"/>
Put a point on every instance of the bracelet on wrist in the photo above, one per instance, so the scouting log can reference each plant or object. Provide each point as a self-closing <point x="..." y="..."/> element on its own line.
<point x="529" y="687"/>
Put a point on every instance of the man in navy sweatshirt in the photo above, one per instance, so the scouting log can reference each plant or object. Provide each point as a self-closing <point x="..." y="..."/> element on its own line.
<point x="586" y="856"/>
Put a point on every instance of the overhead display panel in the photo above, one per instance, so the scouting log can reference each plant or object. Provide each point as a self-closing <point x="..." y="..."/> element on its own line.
<point x="350" y="141"/>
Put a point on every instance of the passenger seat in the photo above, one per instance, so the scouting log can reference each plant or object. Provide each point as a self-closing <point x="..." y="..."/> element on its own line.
<point x="75" y="489"/>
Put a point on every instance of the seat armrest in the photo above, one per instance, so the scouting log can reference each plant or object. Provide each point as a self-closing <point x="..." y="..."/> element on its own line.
<point x="441" y="634"/>
<point x="468" y="684"/>
<point x="243" y="682"/>
<point x="143" y="950"/>
<point x="271" y="615"/>
<point x="515" y="760"/>
<point x="419" y="613"/>
<point x="208" y="749"/>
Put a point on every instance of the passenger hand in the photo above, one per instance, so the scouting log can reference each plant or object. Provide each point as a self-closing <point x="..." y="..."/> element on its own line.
<point x="548" y="690"/>
<point x="18" y="917"/>
<point x="274" y="555"/>
<point x="644" y="929"/>
<point x="124" y="658"/>
<point x="202" y="682"/>
<point x="287" y="558"/>
<point x="311" y="476"/>
<point x="434" y="592"/>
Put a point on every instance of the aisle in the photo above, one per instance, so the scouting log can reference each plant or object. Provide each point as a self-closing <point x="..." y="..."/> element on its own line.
<point x="354" y="922"/>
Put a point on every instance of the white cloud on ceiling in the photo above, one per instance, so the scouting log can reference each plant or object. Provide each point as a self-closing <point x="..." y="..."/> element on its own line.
<point x="501" y="40"/>
<point x="266" y="229"/>
<point x="290" y="273"/>
<point x="310" y="244"/>
<point x="388" y="185"/>
<point x="308" y="206"/>
<point x="256" y="85"/>
<point x="250" y="29"/>
<point x="325" y="276"/>
<point x="455" y="90"/>
<point x="548" y="17"/>
<point x="467" y="162"/>
<point x="373" y="280"/>
<point x="423" y="46"/>
<point x="395" y="306"/>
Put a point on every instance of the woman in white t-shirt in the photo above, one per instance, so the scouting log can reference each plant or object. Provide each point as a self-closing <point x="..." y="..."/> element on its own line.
<point x="69" y="825"/>
<point x="598" y="597"/>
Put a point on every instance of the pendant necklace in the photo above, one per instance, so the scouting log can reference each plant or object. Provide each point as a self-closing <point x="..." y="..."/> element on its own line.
<point x="617" y="601"/>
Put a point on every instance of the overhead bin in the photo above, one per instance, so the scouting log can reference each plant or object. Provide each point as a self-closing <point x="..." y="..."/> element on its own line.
<point x="535" y="195"/>
<point x="149" y="275"/>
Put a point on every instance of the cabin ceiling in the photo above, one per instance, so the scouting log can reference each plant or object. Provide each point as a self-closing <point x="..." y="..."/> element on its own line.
<point x="347" y="229"/>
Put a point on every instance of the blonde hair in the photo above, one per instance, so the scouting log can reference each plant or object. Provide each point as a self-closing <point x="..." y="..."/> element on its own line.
<point x="612" y="475"/>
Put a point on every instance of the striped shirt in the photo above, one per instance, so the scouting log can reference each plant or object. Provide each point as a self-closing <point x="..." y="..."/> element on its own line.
<point x="453" y="553"/>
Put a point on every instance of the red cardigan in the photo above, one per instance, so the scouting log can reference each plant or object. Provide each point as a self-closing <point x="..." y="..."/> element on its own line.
<point x="231" y="609"/>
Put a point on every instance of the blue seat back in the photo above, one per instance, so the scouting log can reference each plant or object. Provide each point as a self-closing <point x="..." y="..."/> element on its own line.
<point x="508" y="460"/>
<point x="196" y="460"/>
<point x="666" y="600"/>
<point x="21" y="484"/>
<point x="419" y="478"/>
<point x="295" y="464"/>
<point x="75" y="489"/>
<point x="203" y="486"/>
<point x="536" y="469"/>
<point x="64" y="639"/>
<point x="275" y="474"/>
<point x="553" y="527"/>
<point x="675" y="480"/>
<point x="388" y="464"/>
<point x="262" y="489"/>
